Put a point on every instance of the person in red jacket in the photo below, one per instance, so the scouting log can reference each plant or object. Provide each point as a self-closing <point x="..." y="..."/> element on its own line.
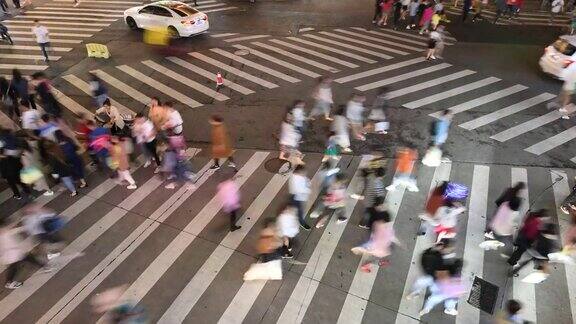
<point x="527" y="234"/>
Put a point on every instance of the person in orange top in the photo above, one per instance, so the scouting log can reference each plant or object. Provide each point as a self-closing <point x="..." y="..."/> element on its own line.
<point x="221" y="147"/>
<point x="405" y="159"/>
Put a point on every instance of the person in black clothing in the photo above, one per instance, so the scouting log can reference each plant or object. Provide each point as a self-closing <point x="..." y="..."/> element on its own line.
<point x="527" y="234"/>
<point x="43" y="89"/>
<point x="377" y="11"/>
<point x="546" y="243"/>
<point x="10" y="164"/>
<point x="397" y="14"/>
<point x="16" y="3"/>
<point x="20" y="85"/>
<point x="374" y="213"/>
<point x="510" y="193"/>
<point x="466" y="9"/>
<point x="4" y="33"/>
<point x="4" y="6"/>
<point x="436" y="258"/>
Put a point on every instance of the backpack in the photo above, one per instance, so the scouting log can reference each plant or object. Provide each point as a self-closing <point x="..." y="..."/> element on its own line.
<point x="456" y="191"/>
<point x="53" y="224"/>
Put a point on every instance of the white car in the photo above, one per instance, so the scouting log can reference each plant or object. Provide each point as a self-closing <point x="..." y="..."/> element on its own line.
<point x="559" y="56"/>
<point x="180" y="19"/>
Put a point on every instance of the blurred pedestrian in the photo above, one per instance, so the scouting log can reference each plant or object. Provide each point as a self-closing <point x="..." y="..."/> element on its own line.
<point x="115" y="121"/>
<point x="53" y="156"/>
<point x="44" y="226"/>
<point x="340" y="128"/>
<point x="290" y="141"/>
<point x="23" y="89"/>
<point x="377" y="211"/>
<point x="335" y="201"/>
<point x="546" y="243"/>
<point x="10" y="163"/>
<point x="99" y="91"/>
<point x="4" y="6"/>
<point x="119" y="161"/>
<point x="298" y="115"/>
<point x="386" y="10"/>
<point x="174" y="123"/>
<point x="74" y="160"/>
<point x="221" y="147"/>
<point x="42" y="38"/>
<point x="557" y="7"/>
<point x="426" y="18"/>
<point x="4" y="34"/>
<point x="447" y="288"/>
<point x="229" y="195"/>
<point x="323" y="98"/>
<point x="287" y="224"/>
<point x="510" y="314"/>
<point x="405" y="159"/>
<point x="527" y="234"/>
<point x="145" y="135"/>
<point x="44" y="91"/>
<point x="377" y="11"/>
<point x="269" y="265"/>
<point x="413" y="13"/>
<point x="378" y="247"/>
<point x="299" y="189"/>
<point x="466" y="7"/>
<point x="157" y="113"/>
<point x="355" y="115"/>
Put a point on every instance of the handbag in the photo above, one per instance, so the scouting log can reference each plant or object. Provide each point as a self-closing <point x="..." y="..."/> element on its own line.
<point x="30" y="175"/>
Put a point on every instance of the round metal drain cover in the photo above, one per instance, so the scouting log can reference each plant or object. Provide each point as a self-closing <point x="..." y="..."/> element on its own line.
<point x="242" y="52"/>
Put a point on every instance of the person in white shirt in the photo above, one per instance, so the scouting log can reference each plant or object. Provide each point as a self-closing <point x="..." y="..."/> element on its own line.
<point x="174" y="122"/>
<point x="42" y="37"/>
<point x="323" y="97"/>
<point x="145" y="135"/>
<point x="116" y="121"/>
<point x="340" y="128"/>
<point x="355" y="115"/>
<point x="30" y="117"/>
<point x="289" y="140"/>
<point x="287" y="225"/>
<point x="299" y="189"/>
<point x="298" y="115"/>
<point x="555" y="8"/>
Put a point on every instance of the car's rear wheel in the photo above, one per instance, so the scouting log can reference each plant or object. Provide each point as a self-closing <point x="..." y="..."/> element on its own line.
<point x="173" y="32"/>
<point x="131" y="23"/>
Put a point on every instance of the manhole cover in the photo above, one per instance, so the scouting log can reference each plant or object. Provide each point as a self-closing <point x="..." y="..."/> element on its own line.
<point x="242" y="52"/>
<point x="278" y="166"/>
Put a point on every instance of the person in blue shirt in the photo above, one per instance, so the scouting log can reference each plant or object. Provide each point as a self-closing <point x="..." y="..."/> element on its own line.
<point x="441" y="128"/>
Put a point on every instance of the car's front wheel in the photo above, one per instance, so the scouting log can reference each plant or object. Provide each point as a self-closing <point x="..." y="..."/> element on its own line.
<point x="131" y="23"/>
<point x="173" y="32"/>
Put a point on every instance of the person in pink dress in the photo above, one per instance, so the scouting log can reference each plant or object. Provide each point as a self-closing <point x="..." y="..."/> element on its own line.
<point x="426" y="18"/>
<point x="386" y="10"/>
<point x="379" y="245"/>
<point x="229" y="195"/>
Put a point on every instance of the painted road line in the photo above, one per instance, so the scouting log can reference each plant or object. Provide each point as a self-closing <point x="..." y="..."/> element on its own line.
<point x="85" y="87"/>
<point x="278" y="61"/>
<point x="142" y="285"/>
<point x="353" y="40"/>
<point x="233" y="70"/>
<point x="209" y="75"/>
<point x="305" y="29"/>
<point x="63" y="23"/>
<point x="210" y="6"/>
<point x="412" y="307"/>
<point x="399" y="38"/>
<point x="186" y="81"/>
<point x="246" y="296"/>
<point x="553" y="142"/>
<point x="23" y="66"/>
<point x="223" y="35"/>
<point x="219" y="9"/>
<point x="77" y="9"/>
<point x="527" y="126"/>
<point x="507" y="111"/>
<point x="105" y="2"/>
<point x="380" y="40"/>
<point x="402" y="77"/>
<point x="243" y="38"/>
<point x="135" y="94"/>
<point x="451" y="93"/>
<point x="339" y="51"/>
<point x="70" y="104"/>
<point x="44" y="18"/>
<point x="296" y="57"/>
<point x="34" y="48"/>
<point x="196" y="287"/>
<point x="467" y="105"/>
<point x="476" y="225"/>
<point x="359" y="292"/>
<point x="90" y="282"/>
<point x="524" y="292"/>
<point x="28" y="57"/>
<point x="379" y="70"/>
<point x="52" y="40"/>
<point x="7" y="122"/>
<point x="5" y="195"/>
<point x="159" y="86"/>
<point x="27" y="27"/>
<point x="430" y="83"/>
<point x="314" y="53"/>
<point x="561" y="191"/>
<point x="21" y="32"/>
<point x="37" y="280"/>
<point x="425" y="38"/>
<point x="256" y="66"/>
<point x="301" y="297"/>
<point x="76" y="14"/>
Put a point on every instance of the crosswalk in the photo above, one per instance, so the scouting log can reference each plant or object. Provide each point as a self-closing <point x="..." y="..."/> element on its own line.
<point x="173" y="251"/>
<point x="535" y="18"/>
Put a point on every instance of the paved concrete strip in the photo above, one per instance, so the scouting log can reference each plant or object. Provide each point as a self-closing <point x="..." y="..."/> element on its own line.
<point x="37" y="280"/>
<point x="296" y="57"/>
<point x="305" y="289"/>
<point x="30" y="23"/>
<point x="243" y="38"/>
<point x="527" y="126"/>
<point x="305" y="29"/>
<point x="135" y="94"/>
<point x="90" y="282"/>
<point x="26" y="27"/>
<point x="467" y="105"/>
<point x="359" y="293"/>
<point x="70" y="104"/>
<point x="85" y="87"/>
<point x="80" y="9"/>
<point x="402" y="77"/>
<point x="339" y="51"/>
<point x="430" y="83"/>
<point x="223" y="35"/>
<point x="386" y="68"/>
<point x="553" y="142"/>
<point x="7" y="122"/>
<point x="356" y="41"/>
<point x="507" y="111"/>
<point x="314" y="53"/>
<point x="196" y="287"/>
<point x="186" y="81"/>
<point x="52" y="40"/>
<point x="209" y="75"/>
<point x="75" y="14"/>
<point x="451" y="93"/>
<point x="166" y="258"/>
<point x="159" y="86"/>
<point x="55" y="16"/>
<point x="424" y="44"/>
<point x="476" y="225"/>
<point x="34" y="48"/>
<point x="247" y="294"/>
<point x="256" y="66"/>
<point x="233" y="70"/>
<point x="28" y="57"/>
<point x="380" y="40"/>
<point x="21" y="32"/>
<point x="561" y="191"/>
<point x="219" y="9"/>
<point x="278" y="61"/>
<point x="524" y="292"/>
<point x="412" y="307"/>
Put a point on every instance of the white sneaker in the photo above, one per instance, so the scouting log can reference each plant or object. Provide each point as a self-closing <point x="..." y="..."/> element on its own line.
<point x="452" y="312"/>
<point x="433" y="57"/>
<point x="489" y="235"/>
<point x="51" y="256"/>
<point x="232" y="165"/>
<point x="147" y="163"/>
<point x="132" y="187"/>
<point x="48" y="193"/>
<point x="13" y="285"/>
<point x="563" y="110"/>
<point x="357" y="196"/>
<point x="391" y="188"/>
<point x="565" y="117"/>
<point x="46" y="269"/>
<point x="413" y="189"/>
<point x="156" y="170"/>
<point x="171" y="185"/>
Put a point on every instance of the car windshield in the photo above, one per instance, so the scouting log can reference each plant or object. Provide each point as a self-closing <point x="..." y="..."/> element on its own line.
<point x="564" y="47"/>
<point x="183" y="10"/>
